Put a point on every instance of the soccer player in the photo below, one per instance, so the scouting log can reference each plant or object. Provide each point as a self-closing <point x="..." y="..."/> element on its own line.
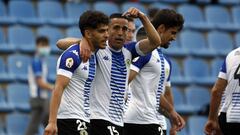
<point x="111" y="80"/>
<point x="226" y="92"/>
<point x="69" y="108"/>
<point x="39" y="87"/>
<point x="150" y="77"/>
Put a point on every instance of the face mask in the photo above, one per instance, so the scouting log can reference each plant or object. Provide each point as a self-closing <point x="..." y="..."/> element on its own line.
<point x="44" y="51"/>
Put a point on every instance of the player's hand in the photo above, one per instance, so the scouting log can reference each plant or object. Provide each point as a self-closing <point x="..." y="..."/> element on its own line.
<point x="133" y="12"/>
<point x="172" y="131"/>
<point x="178" y="122"/>
<point x="51" y="129"/>
<point x="212" y="128"/>
<point x="85" y="50"/>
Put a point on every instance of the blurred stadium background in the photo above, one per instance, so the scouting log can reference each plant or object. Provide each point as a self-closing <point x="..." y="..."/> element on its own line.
<point x="212" y="29"/>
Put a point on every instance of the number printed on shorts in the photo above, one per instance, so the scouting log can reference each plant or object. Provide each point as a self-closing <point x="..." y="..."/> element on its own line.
<point x="82" y="127"/>
<point x="112" y="130"/>
<point x="237" y="74"/>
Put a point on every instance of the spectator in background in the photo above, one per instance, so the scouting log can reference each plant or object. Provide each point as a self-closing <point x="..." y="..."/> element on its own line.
<point x="131" y="30"/>
<point x="39" y="87"/>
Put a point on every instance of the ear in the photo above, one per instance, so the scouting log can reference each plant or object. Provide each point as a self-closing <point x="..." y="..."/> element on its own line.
<point x="88" y="34"/>
<point x="161" y="28"/>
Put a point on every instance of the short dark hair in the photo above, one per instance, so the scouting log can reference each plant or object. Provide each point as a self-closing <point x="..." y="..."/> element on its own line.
<point x="169" y="18"/>
<point x="152" y="12"/>
<point x="42" y="39"/>
<point x="92" y="19"/>
<point x="118" y="15"/>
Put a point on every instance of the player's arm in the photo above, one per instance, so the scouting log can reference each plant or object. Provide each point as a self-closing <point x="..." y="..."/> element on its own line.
<point x="154" y="40"/>
<point x="60" y="85"/>
<point x="64" y="43"/>
<point x="216" y="95"/>
<point x="176" y="120"/>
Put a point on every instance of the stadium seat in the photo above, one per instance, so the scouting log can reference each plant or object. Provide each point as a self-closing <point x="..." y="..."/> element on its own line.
<point x="195" y="44"/>
<point x="51" y="12"/>
<point x="219" y="18"/>
<point x="237" y="39"/>
<point x="229" y="2"/>
<point x="106" y="7"/>
<point x="18" y="97"/>
<point x="73" y="32"/>
<point x="4" y="106"/>
<point x="175" y="1"/>
<point x="4" y="46"/>
<point x="160" y="5"/>
<point x="236" y="15"/>
<point x="203" y="1"/>
<point x="52" y="64"/>
<point x="5" y="77"/>
<point x="54" y="34"/>
<point x="74" y="10"/>
<point x="197" y="71"/>
<point x="18" y="66"/>
<point x="216" y="66"/>
<point x="2" y="127"/>
<point x="22" y="38"/>
<point x="179" y="102"/>
<point x="16" y="123"/>
<point x="24" y="12"/>
<point x="193" y="16"/>
<point x="196" y="98"/>
<point x="196" y="125"/>
<point x="176" y="75"/>
<point x="5" y="19"/>
<point x="175" y="50"/>
<point x="221" y="42"/>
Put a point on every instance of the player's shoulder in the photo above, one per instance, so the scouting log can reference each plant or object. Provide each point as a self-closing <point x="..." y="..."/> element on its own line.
<point x="71" y="54"/>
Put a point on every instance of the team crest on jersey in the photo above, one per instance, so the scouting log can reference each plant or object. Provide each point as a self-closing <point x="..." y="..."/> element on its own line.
<point x="128" y="62"/>
<point x="69" y="62"/>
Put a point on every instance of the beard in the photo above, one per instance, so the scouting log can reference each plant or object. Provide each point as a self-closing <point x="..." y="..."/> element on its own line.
<point x="165" y="46"/>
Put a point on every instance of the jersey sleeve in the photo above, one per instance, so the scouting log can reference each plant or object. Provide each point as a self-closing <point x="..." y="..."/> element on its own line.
<point x="223" y="71"/>
<point x="139" y="62"/>
<point x="133" y="47"/>
<point x="37" y="67"/>
<point x="68" y="63"/>
<point x="168" y="82"/>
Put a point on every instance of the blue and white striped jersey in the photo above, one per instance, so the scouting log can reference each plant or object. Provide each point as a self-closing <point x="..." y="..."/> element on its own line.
<point x="38" y="68"/>
<point x="75" y="99"/>
<point x="146" y="88"/>
<point x="230" y="71"/>
<point x="111" y="82"/>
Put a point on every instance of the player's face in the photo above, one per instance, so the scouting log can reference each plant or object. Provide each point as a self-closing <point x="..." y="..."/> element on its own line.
<point x="100" y="36"/>
<point x="168" y="35"/>
<point x="131" y="30"/>
<point x="118" y="28"/>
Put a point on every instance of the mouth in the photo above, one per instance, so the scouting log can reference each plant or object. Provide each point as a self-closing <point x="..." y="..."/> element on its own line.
<point x="119" y="39"/>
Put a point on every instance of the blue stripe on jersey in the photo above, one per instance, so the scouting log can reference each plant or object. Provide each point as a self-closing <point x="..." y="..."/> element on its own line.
<point x="117" y="85"/>
<point x="162" y="77"/>
<point x="170" y="67"/>
<point x="235" y="111"/>
<point x="142" y="60"/>
<point x="37" y="67"/>
<point x="224" y="68"/>
<point x="70" y="59"/>
<point x="132" y="48"/>
<point x="87" y="85"/>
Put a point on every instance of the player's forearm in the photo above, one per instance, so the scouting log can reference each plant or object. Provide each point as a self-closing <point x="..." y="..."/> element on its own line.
<point x="151" y="32"/>
<point x="166" y="106"/>
<point x="44" y="85"/>
<point x="55" y="102"/>
<point x="216" y="96"/>
<point x="64" y="43"/>
<point x="168" y="95"/>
